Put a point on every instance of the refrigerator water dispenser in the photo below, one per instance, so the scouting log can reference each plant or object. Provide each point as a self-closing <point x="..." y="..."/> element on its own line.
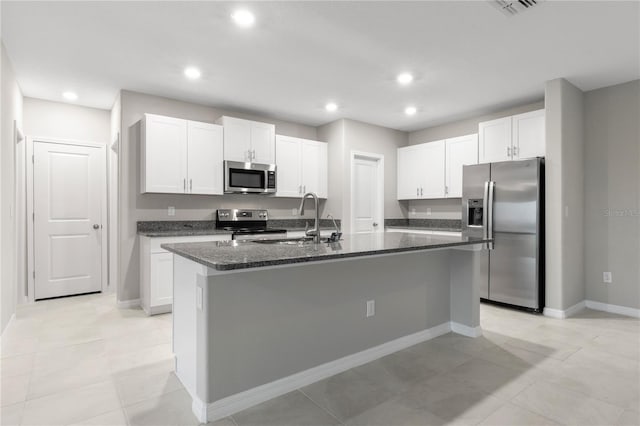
<point x="475" y="212"/>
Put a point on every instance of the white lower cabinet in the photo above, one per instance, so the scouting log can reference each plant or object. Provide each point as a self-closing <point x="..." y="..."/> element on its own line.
<point x="156" y="270"/>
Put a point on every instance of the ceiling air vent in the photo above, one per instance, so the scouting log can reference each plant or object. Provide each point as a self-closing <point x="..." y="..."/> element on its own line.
<point x="514" y="7"/>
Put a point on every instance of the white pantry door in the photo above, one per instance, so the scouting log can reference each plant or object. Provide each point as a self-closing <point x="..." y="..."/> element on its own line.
<point x="68" y="185"/>
<point x="366" y="202"/>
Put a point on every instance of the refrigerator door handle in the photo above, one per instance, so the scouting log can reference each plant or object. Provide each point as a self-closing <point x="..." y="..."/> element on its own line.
<point x="485" y="204"/>
<point x="491" y="185"/>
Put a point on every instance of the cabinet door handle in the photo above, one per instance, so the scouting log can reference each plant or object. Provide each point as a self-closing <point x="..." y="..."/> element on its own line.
<point x="421" y="192"/>
<point x="299" y="189"/>
<point x="509" y="151"/>
<point x="515" y="151"/>
<point x="446" y="190"/>
<point x="417" y="192"/>
<point x="184" y="185"/>
<point x="254" y="154"/>
<point x="190" y="185"/>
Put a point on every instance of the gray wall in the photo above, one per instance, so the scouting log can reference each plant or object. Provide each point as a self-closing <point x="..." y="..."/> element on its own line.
<point x="449" y="208"/>
<point x="564" y="180"/>
<point x="333" y="134"/>
<point x="347" y="135"/>
<point x="134" y="206"/>
<point x="311" y="321"/>
<point x="612" y="194"/>
<point x="11" y="109"/>
<point x="369" y="138"/>
<point x="65" y="121"/>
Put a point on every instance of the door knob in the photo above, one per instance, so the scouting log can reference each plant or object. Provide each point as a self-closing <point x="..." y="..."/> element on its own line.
<point x="96" y="226"/>
<point x="375" y="224"/>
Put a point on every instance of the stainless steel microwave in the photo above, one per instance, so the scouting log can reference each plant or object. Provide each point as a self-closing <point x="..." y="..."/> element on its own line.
<point x="249" y="178"/>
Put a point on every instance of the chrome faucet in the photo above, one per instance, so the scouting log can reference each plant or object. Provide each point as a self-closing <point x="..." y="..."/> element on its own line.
<point x="335" y="236"/>
<point x="315" y="232"/>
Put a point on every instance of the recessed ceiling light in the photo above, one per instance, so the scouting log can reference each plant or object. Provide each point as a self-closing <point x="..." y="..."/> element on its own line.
<point x="192" y="73"/>
<point x="70" y="96"/>
<point x="404" y="78"/>
<point x="331" y="106"/>
<point x="410" y="110"/>
<point x="243" y="18"/>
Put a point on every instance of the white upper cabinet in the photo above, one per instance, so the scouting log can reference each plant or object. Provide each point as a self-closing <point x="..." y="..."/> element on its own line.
<point x="512" y="138"/>
<point x="529" y="135"/>
<point x="434" y="169"/>
<point x="421" y="171"/>
<point x="180" y="156"/>
<point x="495" y="140"/>
<point x="288" y="168"/>
<point x="460" y="151"/>
<point x="409" y="172"/>
<point x="433" y="164"/>
<point x="248" y="141"/>
<point x="204" y="144"/>
<point x="163" y="154"/>
<point x="301" y="167"/>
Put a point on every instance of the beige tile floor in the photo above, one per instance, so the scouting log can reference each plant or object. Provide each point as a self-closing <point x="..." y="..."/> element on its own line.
<point x="82" y="361"/>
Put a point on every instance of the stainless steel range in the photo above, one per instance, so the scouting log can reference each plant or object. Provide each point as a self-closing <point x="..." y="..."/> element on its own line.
<point x="247" y="224"/>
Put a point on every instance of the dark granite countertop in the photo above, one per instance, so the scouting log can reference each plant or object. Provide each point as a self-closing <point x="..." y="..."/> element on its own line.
<point x="232" y="255"/>
<point x="186" y="228"/>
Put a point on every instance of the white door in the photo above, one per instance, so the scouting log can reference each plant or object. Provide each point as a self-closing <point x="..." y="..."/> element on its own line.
<point x="289" y="183"/>
<point x="263" y="143"/>
<point x="68" y="203"/>
<point x="432" y="170"/>
<point x="461" y="151"/>
<point x="366" y="194"/>
<point x="164" y="159"/>
<point x="204" y="158"/>
<point x="529" y="135"/>
<point x="495" y="140"/>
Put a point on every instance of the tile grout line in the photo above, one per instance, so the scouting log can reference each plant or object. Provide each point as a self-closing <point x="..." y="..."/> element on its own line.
<point x="320" y="407"/>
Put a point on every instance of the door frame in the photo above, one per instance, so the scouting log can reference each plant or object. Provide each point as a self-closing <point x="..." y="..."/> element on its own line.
<point x="379" y="159"/>
<point x="31" y="140"/>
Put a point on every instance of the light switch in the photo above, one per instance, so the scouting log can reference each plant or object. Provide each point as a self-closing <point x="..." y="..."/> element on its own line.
<point x="171" y="211"/>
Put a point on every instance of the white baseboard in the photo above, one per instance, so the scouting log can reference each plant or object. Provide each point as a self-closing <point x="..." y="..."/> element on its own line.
<point x="614" y="309"/>
<point x="127" y="304"/>
<point x="561" y="314"/>
<point x="465" y="330"/>
<point x="243" y="400"/>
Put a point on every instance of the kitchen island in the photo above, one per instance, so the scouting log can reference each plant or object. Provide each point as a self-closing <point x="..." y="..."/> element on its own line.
<point x="255" y="320"/>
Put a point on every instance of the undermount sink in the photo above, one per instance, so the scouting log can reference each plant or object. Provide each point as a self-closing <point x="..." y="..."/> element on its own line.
<point x="286" y="241"/>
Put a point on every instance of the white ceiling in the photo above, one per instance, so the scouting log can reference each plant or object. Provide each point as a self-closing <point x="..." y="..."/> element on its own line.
<point x="468" y="57"/>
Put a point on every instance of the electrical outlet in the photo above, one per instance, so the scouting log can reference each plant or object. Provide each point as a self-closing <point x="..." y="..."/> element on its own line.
<point x="371" y="308"/>
<point x="171" y="211"/>
<point x="294" y="212"/>
<point x="412" y="212"/>
<point x="428" y="211"/>
<point x="607" y="278"/>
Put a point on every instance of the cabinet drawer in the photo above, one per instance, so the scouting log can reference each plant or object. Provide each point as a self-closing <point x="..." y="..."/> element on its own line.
<point x="155" y="243"/>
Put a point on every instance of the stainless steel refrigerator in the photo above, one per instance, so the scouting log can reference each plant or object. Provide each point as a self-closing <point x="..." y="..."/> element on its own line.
<point x="505" y="201"/>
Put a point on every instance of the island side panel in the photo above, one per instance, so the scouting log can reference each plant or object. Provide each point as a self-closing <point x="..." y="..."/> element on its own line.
<point x="267" y="324"/>
<point x="187" y="334"/>
<point x="466" y="273"/>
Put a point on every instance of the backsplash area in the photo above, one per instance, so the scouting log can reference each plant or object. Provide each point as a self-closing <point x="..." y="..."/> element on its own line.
<point x="443" y="224"/>
<point x="450" y="208"/>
